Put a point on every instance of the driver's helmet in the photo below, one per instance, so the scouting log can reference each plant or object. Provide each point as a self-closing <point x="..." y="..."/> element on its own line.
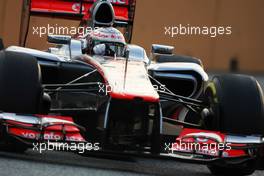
<point x="109" y="41"/>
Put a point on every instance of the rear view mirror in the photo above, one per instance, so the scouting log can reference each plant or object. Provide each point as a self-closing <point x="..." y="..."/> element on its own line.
<point x="59" y="39"/>
<point x="162" y="49"/>
<point x="138" y="53"/>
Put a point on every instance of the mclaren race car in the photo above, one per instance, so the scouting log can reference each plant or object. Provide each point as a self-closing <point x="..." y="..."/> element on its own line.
<point x="99" y="90"/>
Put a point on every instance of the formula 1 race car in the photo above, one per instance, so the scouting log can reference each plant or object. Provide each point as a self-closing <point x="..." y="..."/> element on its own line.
<point x="98" y="90"/>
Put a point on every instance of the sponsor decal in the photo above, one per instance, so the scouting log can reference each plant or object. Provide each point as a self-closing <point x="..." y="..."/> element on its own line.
<point x="76" y="7"/>
<point x="50" y="136"/>
<point x="118" y="1"/>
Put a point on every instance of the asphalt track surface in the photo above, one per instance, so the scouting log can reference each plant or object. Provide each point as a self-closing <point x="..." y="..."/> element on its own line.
<point x="69" y="164"/>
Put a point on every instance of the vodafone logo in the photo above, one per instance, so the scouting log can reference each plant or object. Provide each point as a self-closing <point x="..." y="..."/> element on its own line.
<point x="50" y="136"/>
<point x="76" y="7"/>
<point x="118" y="1"/>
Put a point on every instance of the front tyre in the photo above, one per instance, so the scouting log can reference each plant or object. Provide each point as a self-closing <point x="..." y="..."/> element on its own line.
<point x="20" y="92"/>
<point x="236" y="103"/>
<point x="236" y="106"/>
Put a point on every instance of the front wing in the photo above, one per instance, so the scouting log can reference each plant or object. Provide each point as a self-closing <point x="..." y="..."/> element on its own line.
<point x="192" y="145"/>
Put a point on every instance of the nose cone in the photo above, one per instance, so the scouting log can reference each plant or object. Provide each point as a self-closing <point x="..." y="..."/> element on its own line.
<point x="103" y="14"/>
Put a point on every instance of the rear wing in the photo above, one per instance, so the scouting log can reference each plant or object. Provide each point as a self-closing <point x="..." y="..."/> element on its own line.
<point x="124" y="9"/>
<point x="68" y="13"/>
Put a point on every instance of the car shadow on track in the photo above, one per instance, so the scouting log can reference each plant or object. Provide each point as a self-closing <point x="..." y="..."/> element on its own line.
<point x="117" y="164"/>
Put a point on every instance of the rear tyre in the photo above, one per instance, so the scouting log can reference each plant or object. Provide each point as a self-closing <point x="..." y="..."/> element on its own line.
<point x="13" y="148"/>
<point x="156" y="137"/>
<point x="240" y="170"/>
<point x="12" y="145"/>
<point x="236" y="103"/>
